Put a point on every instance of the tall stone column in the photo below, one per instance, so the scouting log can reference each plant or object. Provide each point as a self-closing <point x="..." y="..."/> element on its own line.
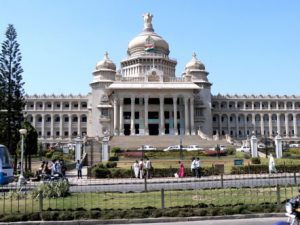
<point x="262" y="128"/>
<point x="121" y="116"/>
<point x="295" y="124"/>
<point x="278" y="122"/>
<point x="161" y="115"/>
<point x="175" y="114"/>
<point x="270" y="125"/>
<point x="61" y="125"/>
<point x="146" y="99"/>
<point x="228" y="124"/>
<point x="192" y="116"/>
<point x="237" y="125"/>
<point x="246" y="125"/>
<point x="70" y="126"/>
<point x="132" y="127"/>
<point x="220" y="124"/>
<point x="186" y="116"/>
<point x="115" y="116"/>
<point x="52" y="126"/>
<point x="33" y="120"/>
<point x="254" y="123"/>
<point x="43" y="126"/>
<point x="286" y="124"/>
<point x="78" y="125"/>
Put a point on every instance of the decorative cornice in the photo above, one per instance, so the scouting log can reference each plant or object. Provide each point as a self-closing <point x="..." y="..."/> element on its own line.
<point x="256" y="97"/>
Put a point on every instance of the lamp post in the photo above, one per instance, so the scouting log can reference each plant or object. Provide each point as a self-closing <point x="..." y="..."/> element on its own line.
<point x="180" y="146"/>
<point x="21" y="177"/>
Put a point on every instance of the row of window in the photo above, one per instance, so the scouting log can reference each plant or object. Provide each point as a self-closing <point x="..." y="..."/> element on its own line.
<point x="57" y="119"/>
<point x="57" y="105"/>
<point x="255" y="105"/>
<point x="65" y="134"/>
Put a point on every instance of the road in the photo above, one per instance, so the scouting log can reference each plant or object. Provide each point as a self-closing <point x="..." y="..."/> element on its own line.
<point x="198" y="184"/>
<point x="253" y="221"/>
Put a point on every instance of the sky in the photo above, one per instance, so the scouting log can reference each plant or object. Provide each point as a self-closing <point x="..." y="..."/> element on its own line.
<point x="247" y="46"/>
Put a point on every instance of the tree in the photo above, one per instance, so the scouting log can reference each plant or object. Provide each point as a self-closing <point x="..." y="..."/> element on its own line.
<point x="11" y="91"/>
<point x="31" y="144"/>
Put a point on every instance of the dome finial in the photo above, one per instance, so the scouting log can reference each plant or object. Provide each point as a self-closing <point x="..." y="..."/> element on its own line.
<point x="106" y="55"/>
<point x="195" y="56"/>
<point x="148" y="22"/>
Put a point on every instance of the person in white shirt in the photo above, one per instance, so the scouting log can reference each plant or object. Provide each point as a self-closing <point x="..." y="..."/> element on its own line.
<point x="193" y="167"/>
<point x="141" y="168"/>
<point x="136" y="169"/>
<point x="148" y="167"/>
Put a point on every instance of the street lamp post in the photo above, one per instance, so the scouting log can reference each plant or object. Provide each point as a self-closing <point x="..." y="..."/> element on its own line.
<point x="21" y="177"/>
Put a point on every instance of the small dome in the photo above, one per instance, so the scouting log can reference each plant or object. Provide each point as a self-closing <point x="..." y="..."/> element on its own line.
<point x="148" y="39"/>
<point x="195" y="63"/>
<point x="106" y="63"/>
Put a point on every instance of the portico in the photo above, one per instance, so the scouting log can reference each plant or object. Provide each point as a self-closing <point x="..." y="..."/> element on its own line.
<point x="155" y="112"/>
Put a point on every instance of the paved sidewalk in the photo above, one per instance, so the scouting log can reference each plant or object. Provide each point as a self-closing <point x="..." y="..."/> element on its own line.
<point x="72" y="177"/>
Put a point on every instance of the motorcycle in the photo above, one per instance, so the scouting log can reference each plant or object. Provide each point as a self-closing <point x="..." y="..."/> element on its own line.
<point x="292" y="208"/>
<point x="54" y="177"/>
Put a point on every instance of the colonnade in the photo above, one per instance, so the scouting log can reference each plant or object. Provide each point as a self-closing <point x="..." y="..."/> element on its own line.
<point x="118" y="107"/>
<point x="58" y="125"/>
<point x="263" y="124"/>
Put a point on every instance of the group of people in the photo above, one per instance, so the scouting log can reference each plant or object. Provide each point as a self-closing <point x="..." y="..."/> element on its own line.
<point x="143" y="168"/>
<point x="56" y="167"/>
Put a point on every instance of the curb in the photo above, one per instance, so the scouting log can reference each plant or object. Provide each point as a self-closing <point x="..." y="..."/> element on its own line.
<point x="147" y="220"/>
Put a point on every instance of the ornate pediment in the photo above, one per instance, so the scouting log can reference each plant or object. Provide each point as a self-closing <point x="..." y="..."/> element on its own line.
<point x="154" y="75"/>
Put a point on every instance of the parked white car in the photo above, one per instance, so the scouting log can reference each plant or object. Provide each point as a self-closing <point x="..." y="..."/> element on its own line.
<point x="243" y="149"/>
<point x="147" y="147"/>
<point x="294" y="145"/>
<point x="172" y="147"/>
<point x="193" y="148"/>
<point x="261" y="146"/>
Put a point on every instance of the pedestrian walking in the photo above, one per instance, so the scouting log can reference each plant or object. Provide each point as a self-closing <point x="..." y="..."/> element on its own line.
<point x="149" y="168"/>
<point x="193" y="166"/>
<point x="141" y="168"/>
<point x="136" y="168"/>
<point x="181" y="169"/>
<point x="79" y="169"/>
<point x="272" y="168"/>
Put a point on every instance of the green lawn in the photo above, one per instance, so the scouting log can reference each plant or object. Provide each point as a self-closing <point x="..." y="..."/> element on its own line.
<point x="216" y="197"/>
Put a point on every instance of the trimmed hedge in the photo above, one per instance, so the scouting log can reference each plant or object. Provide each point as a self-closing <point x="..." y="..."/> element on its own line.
<point x="258" y="169"/>
<point x="100" y="171"/>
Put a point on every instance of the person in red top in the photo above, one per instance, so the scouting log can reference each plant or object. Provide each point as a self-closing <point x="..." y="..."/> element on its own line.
<point x="181" y="169"/>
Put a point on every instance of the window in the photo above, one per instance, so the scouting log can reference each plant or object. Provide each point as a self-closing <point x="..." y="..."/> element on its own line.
<point x="104" y="112"/>
<point x="75" y="119"/>
<point x="83" y="119"/>
<point x="57" y="133"/>
<point x="66" y="133"/>
<point x="66" y="119"/>
<point x="83" y="105"/>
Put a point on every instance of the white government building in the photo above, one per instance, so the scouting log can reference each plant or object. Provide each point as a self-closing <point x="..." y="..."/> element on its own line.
<point x="145" y="97"/>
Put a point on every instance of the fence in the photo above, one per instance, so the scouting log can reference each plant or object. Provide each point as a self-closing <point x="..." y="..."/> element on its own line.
<point x="216" y="191"/>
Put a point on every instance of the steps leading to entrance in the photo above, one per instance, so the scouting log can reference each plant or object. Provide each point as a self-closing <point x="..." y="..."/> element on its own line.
<point x="160" y="142"/>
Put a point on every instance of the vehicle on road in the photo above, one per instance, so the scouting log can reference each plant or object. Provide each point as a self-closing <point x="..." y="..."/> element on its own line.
<point x="6" y="167"/>
<point x="147" y="147"/>
<point x="261" y="145"/>
<point x="173" y="147"/>
<point x="292" y="208"/>
<point x="243" y="149"/>
<point x="193" y="148"/>
<point x="294" y="145"/>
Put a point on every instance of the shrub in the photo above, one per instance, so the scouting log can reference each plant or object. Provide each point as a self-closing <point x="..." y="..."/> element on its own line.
<point x="53" y="189"/>
<point x="100" y="172"/>
<point x="111" y="164"/>
<point x="113" y="158"/>
<point x="230" y="151"/>
<point x="255" y="160"/>
<point x="247" y="156"/>
<point x="116" y="150"/>
<point x="57" y="156"/>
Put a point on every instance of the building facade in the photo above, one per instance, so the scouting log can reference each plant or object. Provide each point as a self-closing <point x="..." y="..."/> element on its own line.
<point x="145" y="97"/>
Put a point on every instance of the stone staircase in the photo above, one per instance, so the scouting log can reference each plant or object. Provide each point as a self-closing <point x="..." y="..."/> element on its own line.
<point x="161" y="142"/>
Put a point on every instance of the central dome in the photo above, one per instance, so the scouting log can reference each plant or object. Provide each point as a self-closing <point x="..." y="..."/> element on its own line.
<point x="148" y="40"/>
